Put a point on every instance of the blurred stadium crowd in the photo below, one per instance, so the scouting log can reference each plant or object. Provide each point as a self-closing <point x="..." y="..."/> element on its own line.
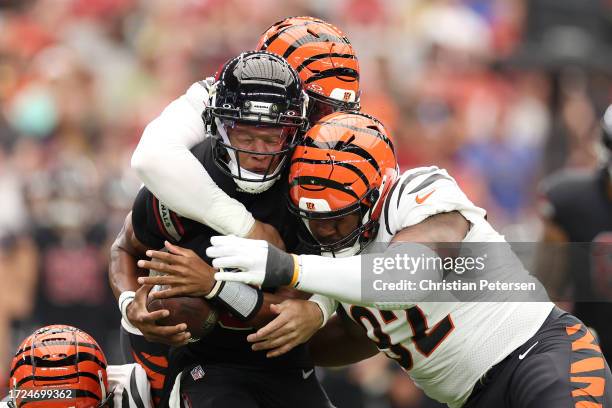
<point x="499" y="92"/>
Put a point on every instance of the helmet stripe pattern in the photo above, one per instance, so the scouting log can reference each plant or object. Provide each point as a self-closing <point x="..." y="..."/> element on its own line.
<point x="344" y="165"/>
<point x="345" y="147"/>
<point x="312" y="37"/>
<point x="323" y="57"/>
<point x="63" y="357"/>
<point x="318" y="57"/>
<point x="368" y="130"/>
<point x="349" y="166"/>
<point x="339" y="73"/>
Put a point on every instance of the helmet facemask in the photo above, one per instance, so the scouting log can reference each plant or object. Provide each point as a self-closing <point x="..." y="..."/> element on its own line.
<point x="240" y="97"/>
<point x="320" y="106"/>
<point x="367" y="209"/>
<point x="252" y="181"/>
<point x="343" y="166"/>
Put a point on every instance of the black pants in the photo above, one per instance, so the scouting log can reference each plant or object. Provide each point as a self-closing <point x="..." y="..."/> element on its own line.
<point x="223" y="385"/>
<point x="560" y="366"/>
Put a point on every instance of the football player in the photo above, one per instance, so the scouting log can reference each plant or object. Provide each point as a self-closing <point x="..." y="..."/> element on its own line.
<point x="329" y="70"/>
<point x="256" y="111"/>
<point x="62" y="366"/>
<point x="467" y="354"/>
<point x="577" y="207"/>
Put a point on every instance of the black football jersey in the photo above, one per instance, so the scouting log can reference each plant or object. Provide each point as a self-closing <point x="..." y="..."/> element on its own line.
<point x="153" y="223"/>
<point x="579" y="203"/>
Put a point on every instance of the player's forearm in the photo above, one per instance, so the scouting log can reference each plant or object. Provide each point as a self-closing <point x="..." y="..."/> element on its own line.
<point x="123" y="270"/>
<point x="334" y="346"/>
<point x="336" y="278"/>
<point x="166" y="166"/>
<point x="343" y="278"/>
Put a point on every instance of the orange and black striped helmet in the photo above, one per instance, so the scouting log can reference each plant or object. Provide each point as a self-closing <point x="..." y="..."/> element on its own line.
<point x="57" y="366"/>
<point x="324" y="59"/>
<point x="345" y="165"/>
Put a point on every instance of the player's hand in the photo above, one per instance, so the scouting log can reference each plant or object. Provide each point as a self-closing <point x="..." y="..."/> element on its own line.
<point x="143" y="320"/>
<point x="266" y="232"/>
<point x="261" y="263"/>
<point x="187" y="273"/>
<point x="297" y="321"/>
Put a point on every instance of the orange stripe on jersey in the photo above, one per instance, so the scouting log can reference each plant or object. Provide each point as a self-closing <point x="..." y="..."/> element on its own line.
<point x="586" y="342"/>
<point x="571" y="330"/>
<point x="587" y="364"/>
<point x="587" y="404"/>
<point x="155" y="377"/>
<point x="595" y="387"/>
<point x="161" y="361"/>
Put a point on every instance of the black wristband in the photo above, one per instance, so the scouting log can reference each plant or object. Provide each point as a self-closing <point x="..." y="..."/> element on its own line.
<point x="279" y="268"/>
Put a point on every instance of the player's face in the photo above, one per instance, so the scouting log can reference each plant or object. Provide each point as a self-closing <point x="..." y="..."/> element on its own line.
<point x="330" y="231"/>
<point x="258" y="139"/>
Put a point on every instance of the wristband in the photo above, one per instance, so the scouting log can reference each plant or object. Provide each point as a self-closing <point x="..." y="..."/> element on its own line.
<point x="215" y="290"/>
<point x="327" y="305"/>
<point x="239" y="298"/>
<point x="124" y="300"/>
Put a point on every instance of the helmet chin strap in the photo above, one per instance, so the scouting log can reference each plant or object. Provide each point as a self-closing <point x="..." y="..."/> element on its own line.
<point x="342" y="253"/>
<point x="250" y="181"/>
<point x="345" y="252"/>
<point x="252" y="187"/>
<point x="356" y="248"/>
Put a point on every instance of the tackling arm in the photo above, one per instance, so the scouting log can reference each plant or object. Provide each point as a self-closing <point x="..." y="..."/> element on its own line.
<point x="166" y="166"/>
<point x="341" y="278"/>
<point x="338" y="278"/>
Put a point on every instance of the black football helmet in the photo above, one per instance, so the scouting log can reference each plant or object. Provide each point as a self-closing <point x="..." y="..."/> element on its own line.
<point x="606" y="129"/>
<point x="261" y="89"/>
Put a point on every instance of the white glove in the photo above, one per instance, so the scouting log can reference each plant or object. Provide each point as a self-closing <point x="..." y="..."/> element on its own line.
<point x="261" y="263"/>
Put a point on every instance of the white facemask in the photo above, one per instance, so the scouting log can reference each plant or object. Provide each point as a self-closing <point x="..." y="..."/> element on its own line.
<point x="250" y="182"/>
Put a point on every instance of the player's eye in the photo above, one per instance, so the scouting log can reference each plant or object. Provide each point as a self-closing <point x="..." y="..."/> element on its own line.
<point x="246" y="139"/>
<point x="272" y="141"/>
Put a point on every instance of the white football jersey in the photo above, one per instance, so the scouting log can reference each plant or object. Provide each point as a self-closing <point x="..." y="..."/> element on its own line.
<point x="130" y="385"/>
<point x="445" y="346"/>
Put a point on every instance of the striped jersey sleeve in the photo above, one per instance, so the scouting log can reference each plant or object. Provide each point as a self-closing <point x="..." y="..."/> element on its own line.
<point x="154" y="222"/>
<point x="420" y="193"/>
<point x="130" y="386"/>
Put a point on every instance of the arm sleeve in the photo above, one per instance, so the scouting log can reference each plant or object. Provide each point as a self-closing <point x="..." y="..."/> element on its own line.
<point x="165" y="165"/>
<point x="418" y="194"/>
<point x="350" y="279"/>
